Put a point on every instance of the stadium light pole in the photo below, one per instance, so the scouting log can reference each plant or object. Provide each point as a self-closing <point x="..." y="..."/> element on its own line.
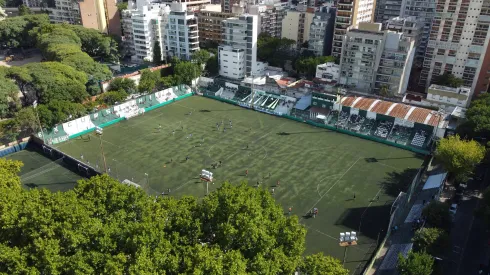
<point x="98" y="131"/>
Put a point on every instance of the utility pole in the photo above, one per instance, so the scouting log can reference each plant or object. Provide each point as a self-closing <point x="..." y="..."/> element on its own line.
<point x="39" y="121"/>
<point x="98" y="131"/>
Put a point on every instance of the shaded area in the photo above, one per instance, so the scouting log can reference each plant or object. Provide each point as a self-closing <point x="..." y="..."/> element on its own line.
<point x="397" y="182"/>
<point x="369" y="221"/>
<point x="305" y="132"/>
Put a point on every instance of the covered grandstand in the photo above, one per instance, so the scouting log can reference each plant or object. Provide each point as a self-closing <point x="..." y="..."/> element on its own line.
<point x="396" y="122"/>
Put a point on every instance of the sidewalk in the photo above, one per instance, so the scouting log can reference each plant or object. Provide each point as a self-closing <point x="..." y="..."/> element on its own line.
<point x="401" y="240"/>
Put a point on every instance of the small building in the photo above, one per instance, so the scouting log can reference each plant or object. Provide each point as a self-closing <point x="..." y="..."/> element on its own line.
<point x="328" y="72"/>
<point x="447" y="97"/>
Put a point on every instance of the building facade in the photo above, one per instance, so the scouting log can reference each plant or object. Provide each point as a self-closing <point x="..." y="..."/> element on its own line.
<point x="191" y="5"/>
<point x="375" y="61"/>
<point x="412" y="27"/>
<point x="321" y="33"/>
<point x="458" y="44"/>
<point x="423" y="10"/>
<point x="350" y="13"/>
<point x="387" y="9"/>
<point x="328" y="72"/>
<point x="101" y="15"/>
<point x="237" y="56"/>
<point x="210" y="24"/>
<point x="270" y="18"/>
<point x="182" y="34"/>
<point x="144" y="24"/>
<point x="447" y="97"/>
<point x="296" y="25"/>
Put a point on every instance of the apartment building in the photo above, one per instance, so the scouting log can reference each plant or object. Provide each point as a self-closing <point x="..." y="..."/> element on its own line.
<point x="350" y="13"/>
<point x="412" y="27"/>
<point x="387" y="9"/>
<point x="423" y="10"/>
<point x="458" y="43"/>
<point x="210" y="22"/>
<point x="296" y="25"/>
<point x="328" y="72"/>
<point x="270" y="18"/>
<point x="101" y="15"/>
<point x="237" y="56"/>
<point x="447" y="97"/>
<point x="65" y="11"/>
<point x="182" y="34"/>
<point x="321" y="33"/>
<point x="376" y="61"/>
<point x="34" y="3"/>
<point x="144" y="24"/>
<point x="227" y="5"/>
<point x="191" y="5"/>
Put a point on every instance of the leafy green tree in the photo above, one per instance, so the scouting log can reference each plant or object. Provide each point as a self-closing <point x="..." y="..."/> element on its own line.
<point x="23" y="79"/>
<point x="187" y="71"/>
<point x="26" y="120"/>
<point x="112" y="97"/>
<point x="168" y="81"/>
<point x="24" y="10"/>
<point x="201" y="57"/>
<point x="126" y="84"/>
<point x="148" y="80"/>
<point x="53" y="80"/>
<point x="15" y="31"/>
<point x="458" y="156"/>
<point x="50" y="34"/>
<point x="448" y="79"/>
<point x="9" y="130"/>
<point x="318" y="264"/>
<point x="212" y="66"/>
<point x="437" y="214"/>
<point x="417" y="263"/>
<point x="307" y="66"/>
<point x="478" y="117"/>
<point x="275" y="51"/>
<point x="9" y="169"/>
<point x="96" y="44"/>
<point x="433" y="240"/>
<point x="122" y="6"/>
<point x="157" y="53"/>
<point x="8" y="91"/>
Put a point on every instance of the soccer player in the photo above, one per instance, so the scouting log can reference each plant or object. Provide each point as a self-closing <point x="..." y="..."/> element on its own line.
<point x="186" y="158"/>
<point x="173" y="132"/>
<point x="354" y="196"/>
<point x="81" y="157"/>
<point x="289" y="210"/>
<point x="278" y="183"/>
<point x="273" y="191"/>
<point x="246" y="173"/>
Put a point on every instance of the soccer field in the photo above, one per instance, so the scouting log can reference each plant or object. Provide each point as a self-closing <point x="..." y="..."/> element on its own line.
<point x="41" y="172"/>
<point x="340" y="175"/>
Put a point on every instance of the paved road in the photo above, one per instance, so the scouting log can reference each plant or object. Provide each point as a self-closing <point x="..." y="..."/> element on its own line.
<point x="469" y="237"/>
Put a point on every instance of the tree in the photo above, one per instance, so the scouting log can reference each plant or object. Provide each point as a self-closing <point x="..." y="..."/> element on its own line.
<point x="23" y="79"/>
<point x="126" y="84"/>
<point x="417" y="263"/>
<point x="448" y="79"/>
<point x="168" y="81"/>
<point x="384" y="91"/>
<point x="157" y="53"/>
<point x="26" y="120"/>
<point x="187" y="71"/>
<point x="53" y="80"/>
<point x="318" y="264"/>
<point x="201" y="57"/>
<point x="437" y="214"/>
<point x="478" y="117"/>
<point x="458" y="156"/>
<point x="112" y="97"/>
<point x="148" y="81"/>
<point x="275" y="51"/>
<point x="96" y="44"/>
<point x="9" y="179"/>
<point x="433" y="240"/>
<point x="15" y="31"/>
<point x="24" y="10"/>
<point x="308" y="65"/>
<point x="122" y="6"/>
<point x="212" y="66"/>
<point x="8" y="91"/>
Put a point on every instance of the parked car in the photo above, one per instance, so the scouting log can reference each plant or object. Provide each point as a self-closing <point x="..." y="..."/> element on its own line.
<point x="453" y="209"/>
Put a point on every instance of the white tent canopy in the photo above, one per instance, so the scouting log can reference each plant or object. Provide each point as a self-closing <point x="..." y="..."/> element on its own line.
<point x="435" y="181"/>
<point x="321" y="117"/>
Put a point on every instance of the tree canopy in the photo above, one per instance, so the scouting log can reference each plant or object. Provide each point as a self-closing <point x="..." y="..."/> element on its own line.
<point x="448" y="79"/>
<point x="126" y="84"/>
<point x="104" y="227"/>
<point x="458" y="156"/>
<point x="148" y="81"/>
<point x="437" y="214"/>
<point x="201" y="57"/>
<point x="157" y="53"/>
<point x="307" y="65"/>
<point x="417" y="263"/>
<point x="478" y="116"/>
<point x="212" y="66"/>
<point x="187" y="71"/>
<point x="15" y="31"/>
<point x="274" y="50"/>
<point x="431" y="239"/>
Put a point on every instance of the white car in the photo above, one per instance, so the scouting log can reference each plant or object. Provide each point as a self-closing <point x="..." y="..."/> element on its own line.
<point x="453" y="208"/>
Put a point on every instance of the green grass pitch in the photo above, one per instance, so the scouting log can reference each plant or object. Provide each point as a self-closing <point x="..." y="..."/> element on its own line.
<point x="315" y="167"/>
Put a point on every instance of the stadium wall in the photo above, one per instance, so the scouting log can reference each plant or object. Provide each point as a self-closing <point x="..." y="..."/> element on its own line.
<point x="415" y="150"/>
<point x="106" y="117"/>
<point x="13" y="148"/>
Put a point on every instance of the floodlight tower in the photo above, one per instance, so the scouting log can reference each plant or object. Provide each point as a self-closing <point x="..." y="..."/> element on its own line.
<point x="99" y="132"/>
<point x="347" y="239"/>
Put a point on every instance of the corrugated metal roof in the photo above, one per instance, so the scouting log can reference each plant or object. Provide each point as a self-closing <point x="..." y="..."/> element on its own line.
<point x="398" y="110"/>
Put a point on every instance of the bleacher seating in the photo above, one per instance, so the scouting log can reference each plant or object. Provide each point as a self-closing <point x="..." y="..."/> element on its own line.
<point x="356" y="122"/>
<point x="383" y="129"/>
<point x="400" y="134"/>
<point x="342" y="120"/>
<point x="419" y="138"/>
<point x="367" y="126"/>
